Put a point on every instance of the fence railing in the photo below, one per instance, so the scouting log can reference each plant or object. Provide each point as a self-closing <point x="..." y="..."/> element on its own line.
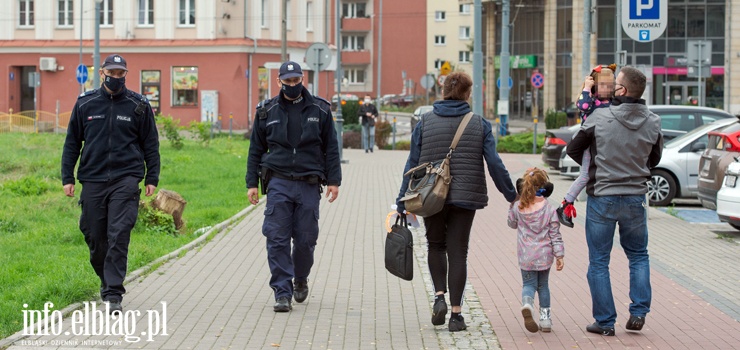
<point x="34" y="121"/>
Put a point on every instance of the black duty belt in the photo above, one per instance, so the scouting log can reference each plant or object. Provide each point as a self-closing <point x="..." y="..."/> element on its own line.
<point x="312" y="179"/>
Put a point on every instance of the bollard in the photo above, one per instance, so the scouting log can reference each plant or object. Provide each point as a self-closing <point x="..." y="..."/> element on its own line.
<point x="220" y="125"/>
<point x="495" y="135"/>
<point x="393" y="147"/>
<point x="231" y="121"/>
<point x="534" y="140"/>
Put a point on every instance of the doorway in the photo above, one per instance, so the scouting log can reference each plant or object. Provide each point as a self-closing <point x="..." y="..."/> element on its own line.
<point x="681" y="93"/>
<point x="27" y="90"/>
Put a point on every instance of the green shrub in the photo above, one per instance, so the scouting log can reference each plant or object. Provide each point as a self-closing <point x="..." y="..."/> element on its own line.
<point x="201" y="132"/>
<point x="555" y="119"/>
<point x="403" y="145"/>
<point x="352" y="127"/>
<point x="154" y="221"/>
<point x="349" y="112"/>
<point x="171" y="129"/>
<point x="519" y="143"/>
<point x="31" y="185"/>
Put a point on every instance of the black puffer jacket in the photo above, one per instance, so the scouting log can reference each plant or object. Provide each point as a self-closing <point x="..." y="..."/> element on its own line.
<point x="115" y="134"/>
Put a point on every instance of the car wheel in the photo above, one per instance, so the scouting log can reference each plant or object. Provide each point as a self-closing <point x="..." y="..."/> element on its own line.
<point x="736" y="226"/>
<point x="661" y="188"/>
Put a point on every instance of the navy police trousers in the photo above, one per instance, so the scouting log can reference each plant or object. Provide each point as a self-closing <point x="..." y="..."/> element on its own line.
<point x="292" y="212"/>
<point x="109" y="212"/>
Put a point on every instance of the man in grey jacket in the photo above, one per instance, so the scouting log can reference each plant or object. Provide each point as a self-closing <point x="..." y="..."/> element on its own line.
<point x="625" y="142"/>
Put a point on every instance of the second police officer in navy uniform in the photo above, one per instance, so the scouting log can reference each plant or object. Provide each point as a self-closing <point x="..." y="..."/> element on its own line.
<point x="113" y="134"/>
<point x="293" y="152"/>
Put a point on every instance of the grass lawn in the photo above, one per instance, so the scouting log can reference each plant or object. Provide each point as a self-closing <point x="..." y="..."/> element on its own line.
<point x="43" y="255"/>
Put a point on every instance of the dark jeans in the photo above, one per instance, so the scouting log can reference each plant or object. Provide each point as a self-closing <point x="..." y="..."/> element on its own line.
<point x="448" y="235"/>
<point x="109" y="212"/>
<point x="537" y="281"/>
<point x="291" y="212"/>
<point x="602" y="216"/>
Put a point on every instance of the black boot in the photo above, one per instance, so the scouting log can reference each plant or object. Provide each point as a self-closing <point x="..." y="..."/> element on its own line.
<point x="564" y="219"/>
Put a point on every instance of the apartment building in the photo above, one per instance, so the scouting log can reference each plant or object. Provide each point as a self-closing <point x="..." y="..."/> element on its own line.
<point x="450" y="36"/>
<point x="199" y="58"/>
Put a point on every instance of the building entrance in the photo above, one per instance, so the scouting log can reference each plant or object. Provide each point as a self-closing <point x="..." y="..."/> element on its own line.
<point x="681" y="93"/>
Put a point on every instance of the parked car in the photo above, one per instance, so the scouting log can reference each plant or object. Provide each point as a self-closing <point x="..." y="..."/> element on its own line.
<point x="418" y="112"/>
<point x="345" y="97"/>
<point x="723" y="146"/>
<point x="728" y="197"/>
<point x="675" y="120"/>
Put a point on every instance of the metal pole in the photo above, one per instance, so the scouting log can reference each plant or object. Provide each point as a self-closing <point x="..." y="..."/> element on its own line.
<point x="316" y="74"/>
<point x="477" y="60"/>
<point x="586" y="64"/>
<point x="338" y="74"/>
<point x="284" y="48"/>
<point x="618" y="25"/>
<point x="534" y="139"/>
<point x="394" y="134"/>
<point x="96" y="52"/>
<point x="380" y="51"/>
<point x="503" y="91"/>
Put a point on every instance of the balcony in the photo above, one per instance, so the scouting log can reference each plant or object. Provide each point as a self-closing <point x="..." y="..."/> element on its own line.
<point x="355" y="57"/>
<point x="356" y="24"/>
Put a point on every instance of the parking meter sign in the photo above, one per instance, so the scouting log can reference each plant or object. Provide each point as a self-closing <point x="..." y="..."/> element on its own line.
<point x="644" y="20"/>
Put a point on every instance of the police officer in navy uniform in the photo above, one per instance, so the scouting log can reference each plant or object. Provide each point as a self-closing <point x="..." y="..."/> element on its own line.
<point x="293" y="151"/>
<point x="113" y="134"/>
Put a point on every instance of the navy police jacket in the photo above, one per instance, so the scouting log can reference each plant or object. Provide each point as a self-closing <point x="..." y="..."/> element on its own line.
<point x="114" y="136"/>
<point x="316" y="154"/>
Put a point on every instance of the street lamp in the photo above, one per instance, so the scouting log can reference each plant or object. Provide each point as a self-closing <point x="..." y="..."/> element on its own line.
<point x="96" y="52"/>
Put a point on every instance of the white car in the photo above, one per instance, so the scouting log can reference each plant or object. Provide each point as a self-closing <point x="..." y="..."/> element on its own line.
<point x="728" y="197"/>
<point x="677" y="173"/>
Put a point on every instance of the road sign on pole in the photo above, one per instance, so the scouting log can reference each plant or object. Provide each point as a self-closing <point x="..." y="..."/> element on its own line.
<point x="81" y="74"/>
<point x="537" y="80"/>
<point x="644" y="20"/>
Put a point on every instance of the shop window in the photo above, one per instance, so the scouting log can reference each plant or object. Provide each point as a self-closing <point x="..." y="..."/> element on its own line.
<point x="150" y="87"/>
<point x="184" y="86"/>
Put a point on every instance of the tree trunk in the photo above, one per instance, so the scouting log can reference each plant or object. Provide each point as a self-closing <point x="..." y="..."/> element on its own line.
<point x="171" y="203"/>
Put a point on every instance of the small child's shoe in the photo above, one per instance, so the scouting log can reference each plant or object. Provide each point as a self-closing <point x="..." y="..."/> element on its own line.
<point x="527" y="312"/>
<point x="566" y="212"/>
<point x="545" y="321"/>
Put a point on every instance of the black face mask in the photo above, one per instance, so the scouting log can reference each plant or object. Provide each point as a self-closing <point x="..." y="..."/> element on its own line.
<point x="114" y="84"/>
<point x="292" y="92"/>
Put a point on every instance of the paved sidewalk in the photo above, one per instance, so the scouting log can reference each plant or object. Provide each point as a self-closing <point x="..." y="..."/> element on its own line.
<point x="217" y="295"/>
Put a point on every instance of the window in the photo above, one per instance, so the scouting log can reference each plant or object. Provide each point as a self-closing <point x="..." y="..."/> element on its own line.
<point x="355" y="76"/>
<point x="353" y="43"/>
<point x="464" y="32"/>
<point x="464" y="9"/>
<point x="146" y="12"/>
<point x="184" y="86"/>
<point x="187" y="12"/>
<point x="25" y="13"/>
<point x="440" y="40"/>
<point x="106" y="13"/>
<point x="354" y="10"/>
<point x="309" y="13"/>
<point x="263" y="20"/>
<point x="440" y="16"/>
<point x="65" y="13"/>
<point x="464" y="57"/>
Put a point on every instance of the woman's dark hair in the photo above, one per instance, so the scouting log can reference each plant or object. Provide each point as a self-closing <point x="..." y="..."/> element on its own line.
<point x="457" y="86"/>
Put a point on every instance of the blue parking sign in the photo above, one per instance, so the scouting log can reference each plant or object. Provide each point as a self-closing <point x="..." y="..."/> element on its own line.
<point x="644" y="9"/>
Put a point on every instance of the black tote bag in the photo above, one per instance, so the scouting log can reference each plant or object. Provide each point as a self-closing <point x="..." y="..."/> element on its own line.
<point x="399" y="250"/>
